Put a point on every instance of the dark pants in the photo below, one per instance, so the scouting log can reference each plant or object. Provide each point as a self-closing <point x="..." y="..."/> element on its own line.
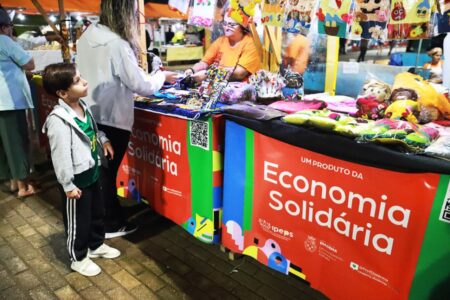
<point x="83" y="221"/>
<point x="119" y="138"/>
<point x="14" y="160"/>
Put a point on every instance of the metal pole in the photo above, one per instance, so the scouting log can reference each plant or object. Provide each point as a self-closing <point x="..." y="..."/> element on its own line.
<point x="418" y="53"/>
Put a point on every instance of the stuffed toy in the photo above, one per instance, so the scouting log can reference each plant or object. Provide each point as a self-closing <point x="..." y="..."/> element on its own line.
<point x="373" y="100"/>
<point x="378" y="89"/>
<point x="370" y="108"/>
<point x="406" y="110"/>
<point x="431" y="104"/>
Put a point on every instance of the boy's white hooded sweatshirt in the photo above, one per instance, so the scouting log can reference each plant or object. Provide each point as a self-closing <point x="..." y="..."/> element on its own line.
<point x="111" y="69"/>
<point x="70" y="146"/>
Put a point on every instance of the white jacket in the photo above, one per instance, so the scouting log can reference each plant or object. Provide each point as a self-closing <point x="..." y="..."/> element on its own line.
<point x="108" y="64"/>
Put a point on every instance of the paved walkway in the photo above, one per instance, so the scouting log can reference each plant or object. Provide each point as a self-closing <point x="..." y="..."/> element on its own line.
<point x="160" y="261"/>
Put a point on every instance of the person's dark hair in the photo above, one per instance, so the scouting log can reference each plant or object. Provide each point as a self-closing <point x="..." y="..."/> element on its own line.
<point x="5" y="20"/>
<point x="58" y="77"/>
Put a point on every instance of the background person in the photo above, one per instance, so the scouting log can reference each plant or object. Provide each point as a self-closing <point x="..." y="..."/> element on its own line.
<point x="235" y="51"/>
<point x="32" y="39"/>
<point x="107" y="58"/>
<point x="15" y="99"/>
<point x="435" y="65"/>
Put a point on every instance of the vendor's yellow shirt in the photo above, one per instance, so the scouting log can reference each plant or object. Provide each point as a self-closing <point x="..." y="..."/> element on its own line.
<point x="227" y="56"/>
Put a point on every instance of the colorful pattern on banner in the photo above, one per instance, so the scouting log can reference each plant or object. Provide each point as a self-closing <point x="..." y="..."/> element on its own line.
<point x="410" y="19"/>
<point x="443" y="16"/>
<point x="334" y="17"/>
<point x="202" y="13"/>
<point x="175" y="165"/>
<point x="370" y="19"/>
<point x="272" y="12"/>
<point x="348" y="229"/>
<point x="298" y="15"/>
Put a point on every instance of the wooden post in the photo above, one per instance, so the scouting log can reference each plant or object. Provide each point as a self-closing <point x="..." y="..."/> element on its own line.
<point x="64" y="32"/>
<point x="44" y="15"/>
<point x="143" y="58"/>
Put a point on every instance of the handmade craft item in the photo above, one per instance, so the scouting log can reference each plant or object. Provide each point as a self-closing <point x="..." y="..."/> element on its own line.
<point x="298" y="15"/>
<point x="370" y="19"/>
<point x="268" y="85"/>
<point x="242" y="10"/>
<point x="410" y="19"/>
<point x="202" y="13"/>
<point x="334" y="17"/>
<point x="272" y="12"/>
<point x="443" y="16"/>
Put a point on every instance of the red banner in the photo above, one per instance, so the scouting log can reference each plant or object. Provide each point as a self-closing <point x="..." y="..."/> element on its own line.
<point x="156" y="165"/>
<point x="347" y="228"/>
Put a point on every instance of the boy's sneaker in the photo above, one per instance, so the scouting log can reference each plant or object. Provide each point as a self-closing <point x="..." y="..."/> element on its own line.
<point x="86" y="267"/>
<point x="127" y="228"/>
<point x="104" y="251"/>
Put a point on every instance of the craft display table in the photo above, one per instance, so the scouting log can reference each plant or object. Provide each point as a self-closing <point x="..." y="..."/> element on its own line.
<point x="357" y="221"/>
<point x="176" y="165"/>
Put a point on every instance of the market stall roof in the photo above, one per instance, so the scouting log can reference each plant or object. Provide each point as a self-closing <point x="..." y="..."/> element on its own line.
<point x="154" y="9"/>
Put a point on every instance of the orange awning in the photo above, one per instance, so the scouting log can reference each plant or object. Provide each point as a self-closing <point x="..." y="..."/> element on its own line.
<point x="91" y="6"/>
<point x="155" y="10"/>
<point x="152" y="10"/>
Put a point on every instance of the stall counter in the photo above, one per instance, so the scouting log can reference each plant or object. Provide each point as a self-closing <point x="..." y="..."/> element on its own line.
<point x="175" y="164"/>
<point x="356" y="221"/>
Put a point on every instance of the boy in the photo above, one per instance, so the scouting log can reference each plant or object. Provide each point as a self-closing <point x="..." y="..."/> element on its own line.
<point x="73" y="137"/>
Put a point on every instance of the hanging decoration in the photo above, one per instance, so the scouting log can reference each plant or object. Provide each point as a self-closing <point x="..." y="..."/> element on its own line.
<point x="410" y="19"/>
<point x="298" y="15"/>
<point x="370" y="19"/>
<point x="272" y="12"/>
<point x="242" y="10"/>
<point x="334" y="17"/>
<point x="202" y="13"/>
<point x="443" y="16"/>
<point x="180" y="5"/>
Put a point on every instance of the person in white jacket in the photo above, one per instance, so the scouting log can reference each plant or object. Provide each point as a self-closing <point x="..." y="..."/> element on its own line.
<point x="107" y="59"/>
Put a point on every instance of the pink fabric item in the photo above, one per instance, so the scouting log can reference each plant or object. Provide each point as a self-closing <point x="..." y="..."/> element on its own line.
<point x="345" y="106"/>
<point x="295" y="106"/>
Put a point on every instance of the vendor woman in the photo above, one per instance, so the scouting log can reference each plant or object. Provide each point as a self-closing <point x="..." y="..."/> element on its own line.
<point x="234" y="51"/>
<point x="435" y="65"/>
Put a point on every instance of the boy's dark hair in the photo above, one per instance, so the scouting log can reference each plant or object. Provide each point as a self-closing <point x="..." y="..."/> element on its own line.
<point x="58" y="77"/>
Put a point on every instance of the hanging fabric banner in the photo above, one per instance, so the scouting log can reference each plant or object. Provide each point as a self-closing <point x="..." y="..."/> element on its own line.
<point x="298" y="15"/>
<point x="370" y="19"/>
<point x="181" y="5"/>
<point x="334" y="17"/>
<point x="202" y="13"/>
<point x="241" y="10"/>
<point x="443" y="16"/>
<point x="272" y="12"/>
<point x="410" y="19"/>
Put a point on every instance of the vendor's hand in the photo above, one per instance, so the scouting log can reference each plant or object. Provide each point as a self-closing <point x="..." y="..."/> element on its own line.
<point x="74" y="194"/>
<point x="170" y="76"/>
<point x="108" y="150"/>
<point x="199" y="76"/>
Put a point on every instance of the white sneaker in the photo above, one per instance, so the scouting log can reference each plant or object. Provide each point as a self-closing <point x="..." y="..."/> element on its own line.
<point x="104" y="251"/>
<point x="86" y="267"/>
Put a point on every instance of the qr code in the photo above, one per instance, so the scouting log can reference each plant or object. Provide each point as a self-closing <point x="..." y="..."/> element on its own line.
<point x="200" y="134"/>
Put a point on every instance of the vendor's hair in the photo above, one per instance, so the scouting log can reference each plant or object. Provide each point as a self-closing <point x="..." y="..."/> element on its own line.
<point x="121" y="17"/>
<point x="58" y="77"/>
<point x="434" y="51"/>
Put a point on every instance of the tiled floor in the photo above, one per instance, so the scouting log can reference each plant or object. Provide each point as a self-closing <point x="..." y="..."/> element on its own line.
<point x="160" y="261"/>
